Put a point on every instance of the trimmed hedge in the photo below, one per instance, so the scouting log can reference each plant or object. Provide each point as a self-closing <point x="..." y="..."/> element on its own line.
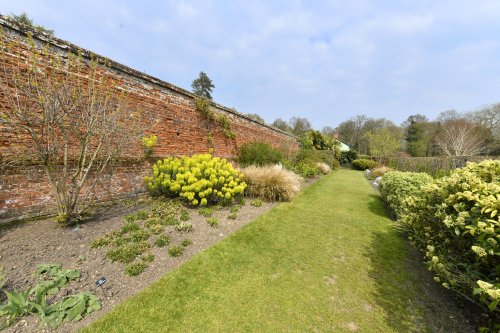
<point x="455" y="220"/>
<point x="395" y="186"/>
<point x="363" y="164"/>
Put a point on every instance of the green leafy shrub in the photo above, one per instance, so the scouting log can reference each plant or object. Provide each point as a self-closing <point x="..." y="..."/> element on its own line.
<point x="363" y="164"/>
<point x="272" y="183"/>
<point x="232" y="216"/>
<point x="455" y="220"/>
<point x="258" y="153"/>
<point x="135" y="269"/>
<point x="212" y="221"/>
<point x="256" y="203"/>
<point x="346" y="157"/>
<point x="162" y="241"/>
<point x="396" y="186"/>
<point x="184" y="227"/>
<point x="199" y="180"/>
<point x="186" y="242"/>
<point x="176" y="251"/>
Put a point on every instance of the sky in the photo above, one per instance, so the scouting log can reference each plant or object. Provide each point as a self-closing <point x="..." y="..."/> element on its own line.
<point x="325" y="61"/>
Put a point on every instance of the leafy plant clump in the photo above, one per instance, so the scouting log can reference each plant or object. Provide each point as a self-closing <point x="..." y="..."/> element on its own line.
<point x="363" y="164"/>
<point x="135" y="269"/>
<point x="256" y="203"/>
<point x="186" y="242"/>
<point x="205" y="211"/>
<point x="162" y="241"/>
<point x="232" y="216"/>
<point x="212" y="221"/>
<point x="455" y="220"/>
<point x="396" y="186"/>
<point x="272" y="183"/>
<point x="184" y="227"/>
<point x="199" y="180"/>
<point x="258" y="153"/>
<point x="149" y="143"/>
<point x="34" y="300"/>
<point x="176" y="251"/>
<point x="128" y="252"/>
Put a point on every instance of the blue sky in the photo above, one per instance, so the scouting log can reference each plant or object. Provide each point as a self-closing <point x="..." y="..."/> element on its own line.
<point x="323" y="60"/>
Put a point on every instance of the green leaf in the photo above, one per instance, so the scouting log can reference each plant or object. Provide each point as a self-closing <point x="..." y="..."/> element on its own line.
<point x="493" y="305"/>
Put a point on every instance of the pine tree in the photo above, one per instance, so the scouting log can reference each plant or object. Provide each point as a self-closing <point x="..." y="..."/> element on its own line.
<point x="202" y="86"/>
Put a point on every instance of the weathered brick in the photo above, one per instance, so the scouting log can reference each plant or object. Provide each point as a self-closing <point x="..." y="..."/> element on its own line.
<point x="181" y="130"/>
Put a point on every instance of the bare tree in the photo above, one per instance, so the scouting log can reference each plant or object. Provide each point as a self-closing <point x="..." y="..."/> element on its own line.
<point x="69" y="117"/>
<point x="459" y="137"/>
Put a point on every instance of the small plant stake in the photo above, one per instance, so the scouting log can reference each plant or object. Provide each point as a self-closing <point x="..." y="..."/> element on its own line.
<point x="76" y="231"/>
<point x="100" y="283"/>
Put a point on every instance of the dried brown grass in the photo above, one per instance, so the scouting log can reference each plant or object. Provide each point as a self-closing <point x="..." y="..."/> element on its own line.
<point x="380" y="171"/>
<point x="323" y="168"/>
<point x="271" y="182"/>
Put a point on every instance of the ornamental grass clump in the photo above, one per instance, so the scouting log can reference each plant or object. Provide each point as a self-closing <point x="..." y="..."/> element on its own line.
<point x="324" y="168"/>
<point x="455" y="220"/>
<point x="271" y="183"/>
<point x="199" y="180"/>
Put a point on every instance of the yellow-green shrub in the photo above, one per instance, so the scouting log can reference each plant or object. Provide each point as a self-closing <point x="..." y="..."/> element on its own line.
<point x="396" y="186"/>
<point x="199" y="179"/>
<point x="455" y="221"/>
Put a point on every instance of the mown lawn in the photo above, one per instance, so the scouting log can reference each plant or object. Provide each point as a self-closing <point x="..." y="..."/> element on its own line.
<point x="330" y="261"/>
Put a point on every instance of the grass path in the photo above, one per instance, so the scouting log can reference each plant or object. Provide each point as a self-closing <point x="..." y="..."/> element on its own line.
<point x="330" y="261"/>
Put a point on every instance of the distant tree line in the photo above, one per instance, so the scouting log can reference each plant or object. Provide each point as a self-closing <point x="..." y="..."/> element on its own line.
<point x="450" y="134"/>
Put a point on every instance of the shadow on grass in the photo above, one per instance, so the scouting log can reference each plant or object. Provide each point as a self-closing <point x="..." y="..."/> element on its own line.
<point x="376" y="205"/>
<point x="411" y="299"/>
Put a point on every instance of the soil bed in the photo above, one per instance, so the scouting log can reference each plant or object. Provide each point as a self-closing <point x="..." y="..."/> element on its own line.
<point x="24" y="246"/>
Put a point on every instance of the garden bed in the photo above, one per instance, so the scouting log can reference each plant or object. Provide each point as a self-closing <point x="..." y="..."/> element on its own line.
<point x="24" y="246"/>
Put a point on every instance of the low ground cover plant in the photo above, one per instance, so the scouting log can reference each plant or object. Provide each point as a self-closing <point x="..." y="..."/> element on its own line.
<point x="271" y="183"/>
<point x="455" y="221"/>
<point x="131" y="244"/>
<point x="212" y="221"/>
<point x="396" y="186"/>
<point x="363" y="164"/>
<point x="35" y="300"/>
<point x="199" y="180"/>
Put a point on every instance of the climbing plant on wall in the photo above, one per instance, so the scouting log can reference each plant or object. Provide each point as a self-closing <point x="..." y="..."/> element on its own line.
<point x="203" y="106"/>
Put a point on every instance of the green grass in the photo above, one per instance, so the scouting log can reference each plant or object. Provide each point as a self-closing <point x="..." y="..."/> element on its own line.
<point x="330" y="261"/>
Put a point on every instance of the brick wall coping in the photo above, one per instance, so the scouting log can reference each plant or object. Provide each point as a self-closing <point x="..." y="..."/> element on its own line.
<point x="69" y="47"/>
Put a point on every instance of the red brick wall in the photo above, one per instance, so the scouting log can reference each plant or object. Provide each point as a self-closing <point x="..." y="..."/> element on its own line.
<point x="168" y="109"/>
